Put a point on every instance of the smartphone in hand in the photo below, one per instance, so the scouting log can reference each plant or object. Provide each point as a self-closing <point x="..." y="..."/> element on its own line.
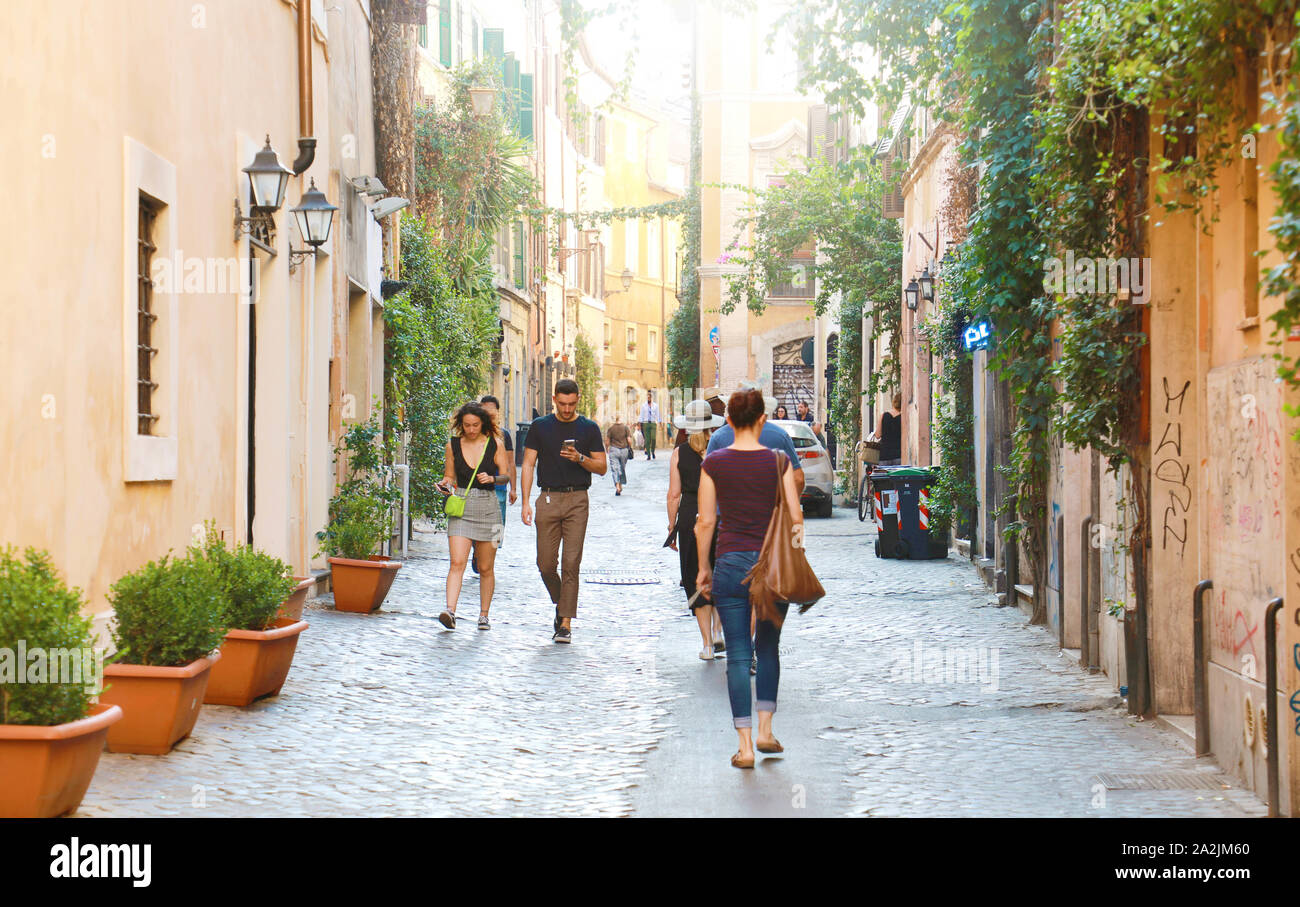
<point x="569" y="444"/>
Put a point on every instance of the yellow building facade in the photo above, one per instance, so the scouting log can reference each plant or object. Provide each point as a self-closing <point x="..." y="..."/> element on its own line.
<point x="173" y="368"/>
<point x="753" y="132"/>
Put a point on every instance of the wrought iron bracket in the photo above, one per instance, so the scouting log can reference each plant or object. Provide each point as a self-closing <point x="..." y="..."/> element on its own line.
<point x="259" y="226"/>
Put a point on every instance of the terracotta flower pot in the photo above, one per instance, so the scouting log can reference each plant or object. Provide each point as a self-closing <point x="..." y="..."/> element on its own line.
<point x="45" y="771"/>
<point x="292" y="607"/>
<point x="360" y="586"/>
<point x="160" y="705"/>
<point x="254" y="663"/>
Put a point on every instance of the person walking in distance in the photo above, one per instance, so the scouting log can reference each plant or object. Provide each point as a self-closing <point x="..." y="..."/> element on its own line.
<point x="620" y="450"/>
<point x="889" y="432"/>
<point x="741" y="483"/>
<point x="683" y="491"/>
<point x="474" y="460"/>
<point x="505" y="483"/>
<point x="564" y="449"/>
<point x="649" y="423"/>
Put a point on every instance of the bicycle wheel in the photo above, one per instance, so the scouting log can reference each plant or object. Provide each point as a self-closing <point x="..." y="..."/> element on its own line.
<point x="865" y="500"/>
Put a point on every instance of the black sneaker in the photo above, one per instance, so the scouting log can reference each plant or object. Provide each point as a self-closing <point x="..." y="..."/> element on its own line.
<point x="562" y="634"/>
<point x="556" y="626"/>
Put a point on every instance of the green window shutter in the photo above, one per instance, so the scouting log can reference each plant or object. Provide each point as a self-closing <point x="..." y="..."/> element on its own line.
<point x="494" y="43"/>
<point x="526" y="105"/>
<point x="510" y="76"/>
<point x="518" y="244"/>
<point x="444" y="33"/>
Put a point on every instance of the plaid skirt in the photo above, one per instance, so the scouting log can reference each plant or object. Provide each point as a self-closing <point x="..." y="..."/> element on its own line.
<point x="482" y="519"/>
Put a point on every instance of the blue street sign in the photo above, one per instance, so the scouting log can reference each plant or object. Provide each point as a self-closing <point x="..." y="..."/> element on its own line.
<point x="713" y="334"/>
<point x="976" y="337"/>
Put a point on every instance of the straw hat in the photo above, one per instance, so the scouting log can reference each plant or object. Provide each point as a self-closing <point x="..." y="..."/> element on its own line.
<point x="698" y="416"/>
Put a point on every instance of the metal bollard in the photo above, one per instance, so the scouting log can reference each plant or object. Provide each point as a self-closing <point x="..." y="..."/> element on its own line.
<point x="1200" y="700"/>
<point x="1270" y="684"/>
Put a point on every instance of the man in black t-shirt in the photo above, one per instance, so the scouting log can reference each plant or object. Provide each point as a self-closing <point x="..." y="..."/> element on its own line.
<point x="565" y="449"/>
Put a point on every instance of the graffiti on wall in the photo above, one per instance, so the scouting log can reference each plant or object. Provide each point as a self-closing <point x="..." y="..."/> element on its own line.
<point x="1172" y="472"/>
<point x="1244" y="463"/>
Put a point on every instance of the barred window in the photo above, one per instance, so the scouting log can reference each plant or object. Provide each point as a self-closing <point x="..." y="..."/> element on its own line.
<point x="145" y="317"/>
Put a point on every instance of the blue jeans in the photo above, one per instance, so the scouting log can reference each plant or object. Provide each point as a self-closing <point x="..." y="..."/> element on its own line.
<point x="731" y="597"/>
<point x="502" y="496"/>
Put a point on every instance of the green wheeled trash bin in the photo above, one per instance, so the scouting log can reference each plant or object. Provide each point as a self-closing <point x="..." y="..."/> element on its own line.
<point x="904" y="503"/>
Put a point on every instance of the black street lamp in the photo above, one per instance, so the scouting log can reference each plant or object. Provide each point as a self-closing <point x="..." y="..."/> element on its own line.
<point x="267" y="180"/>
<point x="927" y="285"/>
<point x="911" y="294"/>
<point x="315" y="216"/>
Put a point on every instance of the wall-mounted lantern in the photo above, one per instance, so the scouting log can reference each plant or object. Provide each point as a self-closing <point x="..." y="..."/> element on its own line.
<point x="482" y="100"/>
<point x="926" y="281"/>
<point x="267" y="180"/>
<point x="315" y="216"/>
<point x="911" y="294"/>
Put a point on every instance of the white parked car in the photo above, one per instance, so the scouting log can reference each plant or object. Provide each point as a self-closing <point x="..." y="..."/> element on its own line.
<point x="819" y="477"/>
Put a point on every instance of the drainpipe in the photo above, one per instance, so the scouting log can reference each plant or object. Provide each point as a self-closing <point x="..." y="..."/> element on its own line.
<point x="1200" y="697"/>
<point x="1060" y="580"/>
<point x="1085" y="594"/>
<point x="1270" y="690"/>
<point x="306" y="143"/>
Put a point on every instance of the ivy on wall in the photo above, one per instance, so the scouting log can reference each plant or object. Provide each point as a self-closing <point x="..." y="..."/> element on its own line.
<point x="682" y="335"/>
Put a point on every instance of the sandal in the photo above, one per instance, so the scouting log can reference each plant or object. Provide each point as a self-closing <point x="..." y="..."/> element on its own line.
<point x="448" y="619"/>
<point x="773" y="747"/>
<point x="739" y="762"/>
<point x="483" y="622"/>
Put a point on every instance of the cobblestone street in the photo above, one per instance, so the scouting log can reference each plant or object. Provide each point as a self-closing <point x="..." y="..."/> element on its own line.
<point x="391" y="715"/>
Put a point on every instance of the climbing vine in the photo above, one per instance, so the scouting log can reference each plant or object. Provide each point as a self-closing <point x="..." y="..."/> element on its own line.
<point x="682" y="335"/>
<point x="971" y="63"/>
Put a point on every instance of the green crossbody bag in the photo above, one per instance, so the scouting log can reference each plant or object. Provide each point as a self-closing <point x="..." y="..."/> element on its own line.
<point x="455" y="504"/>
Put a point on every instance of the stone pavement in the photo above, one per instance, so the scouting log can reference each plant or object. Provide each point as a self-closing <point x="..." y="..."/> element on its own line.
<point x="391" y="715"/>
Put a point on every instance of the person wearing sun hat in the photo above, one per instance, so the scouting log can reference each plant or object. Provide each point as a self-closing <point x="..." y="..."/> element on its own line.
<point x="698" y="420"/>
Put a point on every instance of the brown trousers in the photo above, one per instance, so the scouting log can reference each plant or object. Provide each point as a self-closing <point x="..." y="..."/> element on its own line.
<point x="561" y="517"/>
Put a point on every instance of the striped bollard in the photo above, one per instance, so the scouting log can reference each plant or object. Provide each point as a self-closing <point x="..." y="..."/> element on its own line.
<point x="924" y="509"/>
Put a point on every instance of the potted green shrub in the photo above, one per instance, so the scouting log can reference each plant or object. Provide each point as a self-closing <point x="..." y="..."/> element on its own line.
<point x="169" y="618"/>
<point x="51" y="732"/>
<point x="260" y="644"/>
<point x="359" y="521"/>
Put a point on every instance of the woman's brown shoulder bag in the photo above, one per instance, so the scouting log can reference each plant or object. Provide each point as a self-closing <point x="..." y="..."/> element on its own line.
<point x="782" y="572"/>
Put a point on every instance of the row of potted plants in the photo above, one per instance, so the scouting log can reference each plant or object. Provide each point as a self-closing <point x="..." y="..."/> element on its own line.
<point x="215" y="626"/>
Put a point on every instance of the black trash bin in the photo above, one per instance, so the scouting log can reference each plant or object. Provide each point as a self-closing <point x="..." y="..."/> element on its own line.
<point x="903" y="522"/>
